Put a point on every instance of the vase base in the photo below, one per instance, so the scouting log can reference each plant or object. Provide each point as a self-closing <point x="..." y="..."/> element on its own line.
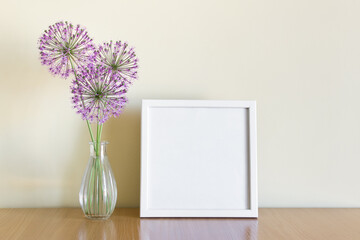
<point x="96" y="217"/>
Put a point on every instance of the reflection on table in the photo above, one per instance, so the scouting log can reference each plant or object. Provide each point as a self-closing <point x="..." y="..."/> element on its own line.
<point x="165" y="229"/>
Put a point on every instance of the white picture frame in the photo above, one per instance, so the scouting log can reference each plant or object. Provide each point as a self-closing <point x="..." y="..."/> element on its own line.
<point x="198" y="159"/>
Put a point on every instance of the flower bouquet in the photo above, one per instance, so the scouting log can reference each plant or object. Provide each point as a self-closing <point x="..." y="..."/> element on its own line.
<point x="101" y="77"/>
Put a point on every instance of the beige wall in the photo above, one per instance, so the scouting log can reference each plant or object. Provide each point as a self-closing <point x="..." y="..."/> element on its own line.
<point x="299" y="59"/>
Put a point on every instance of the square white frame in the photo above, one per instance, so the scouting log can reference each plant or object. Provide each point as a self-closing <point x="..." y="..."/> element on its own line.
<point x="147" y="128"/>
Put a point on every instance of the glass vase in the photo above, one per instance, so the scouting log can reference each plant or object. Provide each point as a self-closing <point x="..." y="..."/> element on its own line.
<point x="98" y="191"/>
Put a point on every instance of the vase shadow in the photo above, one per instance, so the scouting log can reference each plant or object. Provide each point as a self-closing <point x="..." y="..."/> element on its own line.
<point x="71" y="182"/>
<point x="123" y="135"/>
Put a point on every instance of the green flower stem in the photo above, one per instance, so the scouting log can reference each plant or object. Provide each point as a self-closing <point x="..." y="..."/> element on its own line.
<point x="90" y="131"/>
<point x="98" y="178"/>
<point x="97" y="146"/>
<point x="98" y="158"/>
<point x="98" y="138"/>
<point x="87" y="121"/>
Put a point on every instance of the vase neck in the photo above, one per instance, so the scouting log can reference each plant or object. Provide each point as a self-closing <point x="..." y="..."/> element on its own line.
<point x="101" y="152"/>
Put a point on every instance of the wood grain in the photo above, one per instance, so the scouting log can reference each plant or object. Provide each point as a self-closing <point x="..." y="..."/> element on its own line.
<point x="69" y="223"/>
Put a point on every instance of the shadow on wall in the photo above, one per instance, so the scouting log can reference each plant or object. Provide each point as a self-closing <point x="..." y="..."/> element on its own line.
<point x="123" y="134"/>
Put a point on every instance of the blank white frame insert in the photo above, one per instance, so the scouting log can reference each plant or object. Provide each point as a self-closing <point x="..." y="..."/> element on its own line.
<point x="198" y="159"/>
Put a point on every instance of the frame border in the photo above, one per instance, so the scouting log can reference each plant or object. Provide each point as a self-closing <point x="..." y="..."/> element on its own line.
<point x="235" y="213"/>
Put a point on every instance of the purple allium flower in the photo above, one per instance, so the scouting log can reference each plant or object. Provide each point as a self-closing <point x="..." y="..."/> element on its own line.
<point x="120" y="59"/>
<point x="64" y="44"/>
<point x="97" y="94"/>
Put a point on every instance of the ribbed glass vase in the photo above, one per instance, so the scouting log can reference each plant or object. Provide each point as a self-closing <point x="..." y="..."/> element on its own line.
<point x="98" y="191"/>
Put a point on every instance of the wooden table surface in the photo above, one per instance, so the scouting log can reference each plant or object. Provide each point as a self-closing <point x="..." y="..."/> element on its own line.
<point x="289" y="224"/>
